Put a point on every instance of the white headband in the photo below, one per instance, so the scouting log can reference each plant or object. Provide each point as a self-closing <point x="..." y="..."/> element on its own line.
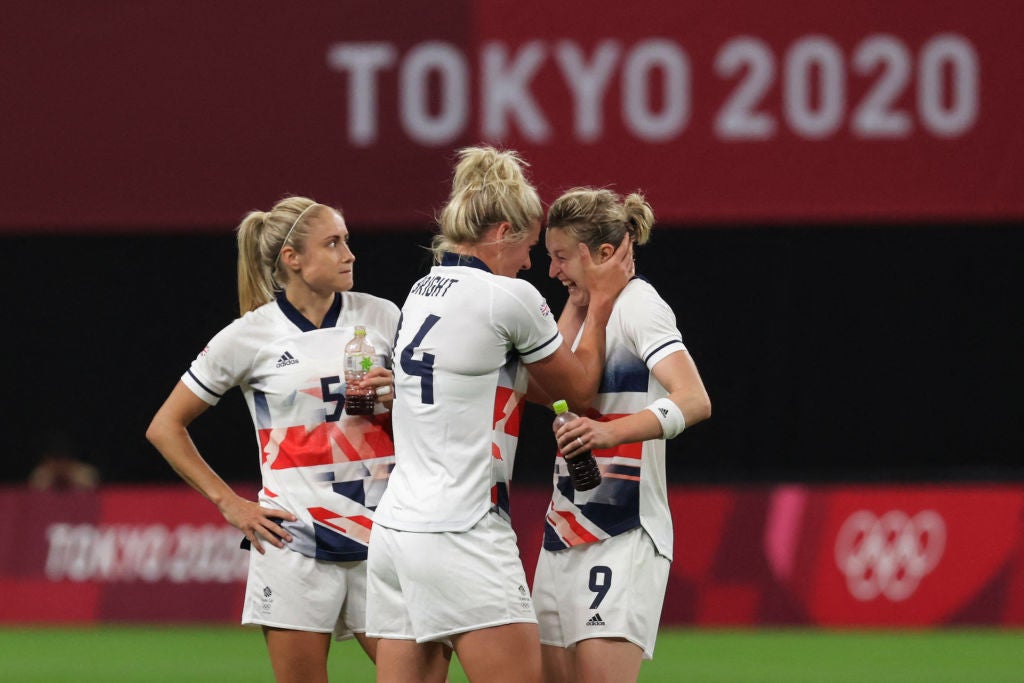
<point x="288" y="234"/>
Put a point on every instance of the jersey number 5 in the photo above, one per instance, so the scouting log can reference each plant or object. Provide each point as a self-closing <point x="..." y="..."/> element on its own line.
<point x="330" y="395"/>
<point x="424" y="368"/>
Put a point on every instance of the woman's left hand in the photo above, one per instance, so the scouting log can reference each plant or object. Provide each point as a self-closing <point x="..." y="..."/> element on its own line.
<point x="584" y="434"/>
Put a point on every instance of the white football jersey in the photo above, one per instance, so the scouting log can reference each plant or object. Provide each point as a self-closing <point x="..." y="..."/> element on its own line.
<point x="324" y="466"/>
<point x="633" y="490"/>
<point x="464" y="332"/>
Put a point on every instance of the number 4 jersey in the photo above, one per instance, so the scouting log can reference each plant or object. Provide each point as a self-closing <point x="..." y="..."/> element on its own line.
<point x="324" y="466"/>
<point x="463" y="334"/>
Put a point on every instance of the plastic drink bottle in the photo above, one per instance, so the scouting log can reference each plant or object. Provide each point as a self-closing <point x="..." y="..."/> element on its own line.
<point x="359" y="358"/>
<point x="583" y="470"/>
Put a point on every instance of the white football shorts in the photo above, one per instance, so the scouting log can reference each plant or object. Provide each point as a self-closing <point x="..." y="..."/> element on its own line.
<point x="614" y="588"/>
<point x="286" y="589"/>
<point x="428" y="586"/>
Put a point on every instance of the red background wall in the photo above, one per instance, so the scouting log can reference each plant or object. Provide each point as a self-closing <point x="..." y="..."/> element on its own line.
<point x="180" y="116"/>
<point x="768" y="555"/>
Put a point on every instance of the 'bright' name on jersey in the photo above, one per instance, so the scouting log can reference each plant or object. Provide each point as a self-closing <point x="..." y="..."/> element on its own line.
<point x="433" y="286"/>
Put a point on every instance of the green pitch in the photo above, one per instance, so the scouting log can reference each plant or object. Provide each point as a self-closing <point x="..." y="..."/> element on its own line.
<point x="148" y="654"/>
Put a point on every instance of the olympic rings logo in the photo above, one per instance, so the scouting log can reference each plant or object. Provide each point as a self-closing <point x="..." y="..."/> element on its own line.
<point x="889" y="555"/>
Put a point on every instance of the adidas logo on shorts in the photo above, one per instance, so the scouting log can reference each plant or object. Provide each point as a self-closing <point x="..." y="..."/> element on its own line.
<point x="595" y="620"/>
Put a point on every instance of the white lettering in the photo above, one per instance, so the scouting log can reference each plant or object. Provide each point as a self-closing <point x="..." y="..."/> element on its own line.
<point x="441" y="89"/>
<point x="148" y="553"/>
<point x="506" y="92"/>
<point x="952" y="53"/>
<point x="414" y="86"/>
<point x="58" y="542"/>
<point x="362" y="61"/>
<point x="739" y="118"/>
<point x="588" y="83"/>
<point x="877" y="115"/>
<point x="814" y="64"/>
<point x="666" y="57"/>
<point x="99" y="552"/>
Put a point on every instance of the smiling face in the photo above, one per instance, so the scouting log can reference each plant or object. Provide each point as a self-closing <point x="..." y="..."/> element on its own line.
<point x="325" y="263"/>
<point x="566" y="265"/>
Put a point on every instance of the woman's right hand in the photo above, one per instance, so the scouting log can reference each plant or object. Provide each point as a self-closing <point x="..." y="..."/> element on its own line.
<point x="584" y="434"/>
<point x="257" y="522"/>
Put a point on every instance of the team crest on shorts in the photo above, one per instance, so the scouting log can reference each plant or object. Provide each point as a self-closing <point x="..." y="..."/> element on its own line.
<point x="524" y="598"/>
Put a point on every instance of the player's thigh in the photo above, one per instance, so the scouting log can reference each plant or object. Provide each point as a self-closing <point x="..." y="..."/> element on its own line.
<point x="297" y="656"/>
<point x="607" y="660"/>
<point x="400" y="661"/>
<point x="500" y="654"/>
<point x="368" y="644"/>
<point x="558" y="664"/>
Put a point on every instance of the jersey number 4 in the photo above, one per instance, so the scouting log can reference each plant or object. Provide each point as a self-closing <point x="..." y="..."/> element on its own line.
<point x="424" y="367"/>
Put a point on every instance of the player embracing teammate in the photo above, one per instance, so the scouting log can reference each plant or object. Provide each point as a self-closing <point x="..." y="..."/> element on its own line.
<point x="603" y="570"/>
<point x="471" y="343"/>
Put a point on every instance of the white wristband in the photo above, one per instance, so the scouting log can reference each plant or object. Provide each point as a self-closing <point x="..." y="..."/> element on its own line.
<point x="670" y="417"/>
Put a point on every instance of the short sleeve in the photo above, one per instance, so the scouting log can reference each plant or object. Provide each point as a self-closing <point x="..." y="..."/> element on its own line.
<point x="523" y="313"/>
<point x="651" y="325"/>
<point x="222" y="364"/>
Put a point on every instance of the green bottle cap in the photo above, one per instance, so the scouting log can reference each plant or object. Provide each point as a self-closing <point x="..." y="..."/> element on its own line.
<point x="560" y="407"/>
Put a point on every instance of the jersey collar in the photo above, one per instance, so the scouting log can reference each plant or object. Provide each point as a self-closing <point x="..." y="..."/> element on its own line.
<point x="303" y="323"/>
<point x="450" y="258"/>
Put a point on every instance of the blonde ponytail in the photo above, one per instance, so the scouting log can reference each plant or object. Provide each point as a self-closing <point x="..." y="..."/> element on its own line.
<point x="261" y="236"/>
<point x="255" y="286"/>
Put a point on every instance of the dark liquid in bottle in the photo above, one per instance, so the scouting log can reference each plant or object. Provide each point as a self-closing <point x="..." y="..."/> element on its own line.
<point x="360" y="404"/>
<point x="583" y="471"/>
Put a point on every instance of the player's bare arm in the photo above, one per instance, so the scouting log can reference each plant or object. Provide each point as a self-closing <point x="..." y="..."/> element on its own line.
<point x="677" y="373"/>
<point x="168" y="432"/>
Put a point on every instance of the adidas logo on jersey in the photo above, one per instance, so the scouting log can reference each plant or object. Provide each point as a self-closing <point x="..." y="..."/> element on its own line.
<point x="286" y="359"/>
<point x="595" y="620"/>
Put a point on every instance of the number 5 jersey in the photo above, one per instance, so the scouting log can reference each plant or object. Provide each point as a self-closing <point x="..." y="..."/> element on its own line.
<point x="324" y="466"/>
